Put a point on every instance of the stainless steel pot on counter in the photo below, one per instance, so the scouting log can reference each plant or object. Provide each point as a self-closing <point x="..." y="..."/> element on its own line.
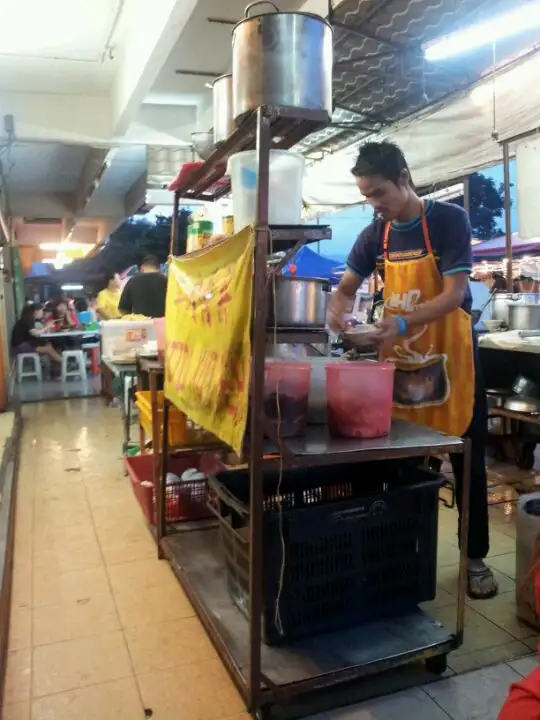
<point x="296" y="302"/>
<point x="500" y="305"/>
<point x="281" y="59"/>
<point x="523" y="316"/>
<point x="223" y="110"/>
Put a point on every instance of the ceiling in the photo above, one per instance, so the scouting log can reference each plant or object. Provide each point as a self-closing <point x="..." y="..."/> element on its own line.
<point x="40" y="167"/>
<point x="380" y="76"/>
<point x="58" y="46"/>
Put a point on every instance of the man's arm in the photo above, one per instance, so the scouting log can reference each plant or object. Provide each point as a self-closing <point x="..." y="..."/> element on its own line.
<point x="360" y="264"/>
<point x="340" y="298"/>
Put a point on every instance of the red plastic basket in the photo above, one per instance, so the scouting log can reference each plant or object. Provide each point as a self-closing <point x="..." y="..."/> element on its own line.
<point x="184" y="500"/>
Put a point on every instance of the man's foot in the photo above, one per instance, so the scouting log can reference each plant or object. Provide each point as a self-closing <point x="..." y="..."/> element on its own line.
<point x="481" y="584"/>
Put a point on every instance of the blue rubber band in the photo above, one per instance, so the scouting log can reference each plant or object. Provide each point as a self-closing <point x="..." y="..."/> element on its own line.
<point x="402" y="325"/>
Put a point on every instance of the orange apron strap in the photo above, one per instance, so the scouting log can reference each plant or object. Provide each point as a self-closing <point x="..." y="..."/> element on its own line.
<point x="425" y="232"/>
<point x="385" y="240"/>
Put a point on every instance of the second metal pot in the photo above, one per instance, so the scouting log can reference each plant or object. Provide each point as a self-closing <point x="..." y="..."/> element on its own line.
<point x="282" y="59"/>
<point x="298" y="302"/>
<point x="523" y="316"/>
<point x="223" y="111"/>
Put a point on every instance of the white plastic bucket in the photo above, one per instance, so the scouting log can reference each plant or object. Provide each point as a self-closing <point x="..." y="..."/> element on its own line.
<point x="285" y="187"/>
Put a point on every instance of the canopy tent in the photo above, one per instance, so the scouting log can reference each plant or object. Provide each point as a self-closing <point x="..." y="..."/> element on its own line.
<point x="446" y="142"/>
<point x="496" y="248"/>
<point x="307" y="263"/>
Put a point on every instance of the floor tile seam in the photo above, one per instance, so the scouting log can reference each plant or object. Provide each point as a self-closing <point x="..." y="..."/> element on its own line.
<point x="517" y="659"/>
<point x="495" y="663"/>
<point x="34" y="698"/>
<point x="105" y="566"/>
<point x="433" y="699"/>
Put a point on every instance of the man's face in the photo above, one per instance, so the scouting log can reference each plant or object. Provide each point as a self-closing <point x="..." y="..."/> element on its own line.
<point x="384" y="196"/>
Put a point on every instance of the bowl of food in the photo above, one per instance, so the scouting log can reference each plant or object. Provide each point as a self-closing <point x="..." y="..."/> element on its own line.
<point x="493" y="325"/>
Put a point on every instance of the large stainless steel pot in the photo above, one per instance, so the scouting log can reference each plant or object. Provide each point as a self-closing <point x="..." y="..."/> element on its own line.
<point x="499" y="306"/>
<point x="283" y="59"/>
<point x="523" y="316"/>
<point x="298" y="302"/>
<point x="223" y="111"/>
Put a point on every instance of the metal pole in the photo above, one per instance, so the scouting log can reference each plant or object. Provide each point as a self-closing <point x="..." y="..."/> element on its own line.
<point x="467" y="194"/>
<point x="161" y="480"/>
<point x="174" y="223"/>
<point x="464" y="540"/>
<point x="508" y="218"/>
<point x="256" y="430"/>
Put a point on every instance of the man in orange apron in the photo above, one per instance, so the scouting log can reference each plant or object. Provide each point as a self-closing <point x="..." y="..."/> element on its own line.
<point x="424" y="252"/>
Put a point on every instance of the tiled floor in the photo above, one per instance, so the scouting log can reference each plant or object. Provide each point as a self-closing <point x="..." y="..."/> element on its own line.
<point x="100" y="629"/>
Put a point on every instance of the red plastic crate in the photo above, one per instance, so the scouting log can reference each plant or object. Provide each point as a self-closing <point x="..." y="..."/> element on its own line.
<point x="183" y="500"/>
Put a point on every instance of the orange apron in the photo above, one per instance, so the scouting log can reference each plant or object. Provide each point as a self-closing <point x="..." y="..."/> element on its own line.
<point x="429" y="357"/>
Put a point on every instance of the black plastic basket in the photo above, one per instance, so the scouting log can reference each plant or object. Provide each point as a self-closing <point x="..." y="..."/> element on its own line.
<point x="360" y="542"/>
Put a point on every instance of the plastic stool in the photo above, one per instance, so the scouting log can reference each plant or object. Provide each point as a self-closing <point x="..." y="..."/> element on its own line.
<point x="36" y="363"/>
<point x="93" y="350"/>
<point x="80" y="364"/>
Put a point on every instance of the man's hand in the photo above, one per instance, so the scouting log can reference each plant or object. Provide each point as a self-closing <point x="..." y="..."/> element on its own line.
<point x="336" y="311"/>
<point x="389" y="328"/>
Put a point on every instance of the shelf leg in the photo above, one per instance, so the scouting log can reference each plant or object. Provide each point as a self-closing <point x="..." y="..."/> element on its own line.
<point x="161" y="484"/>
<point x="257" y="414"/>
<point x="464" y="539"/>
<point x="152" y="380"/>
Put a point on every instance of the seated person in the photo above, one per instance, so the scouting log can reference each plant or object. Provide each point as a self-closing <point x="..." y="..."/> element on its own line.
<point x="26" y="337"/>
<point x="63" y="317"/>
<point x="109" y="298"/>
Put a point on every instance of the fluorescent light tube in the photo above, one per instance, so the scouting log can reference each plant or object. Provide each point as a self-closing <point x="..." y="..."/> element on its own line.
<point x="525" y="18"/>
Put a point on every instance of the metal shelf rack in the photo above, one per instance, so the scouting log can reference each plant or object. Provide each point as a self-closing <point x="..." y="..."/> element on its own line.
<point x="269" y="677"/>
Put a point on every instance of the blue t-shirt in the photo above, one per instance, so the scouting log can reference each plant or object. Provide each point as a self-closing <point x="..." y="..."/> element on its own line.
<point x="449" y="232"/>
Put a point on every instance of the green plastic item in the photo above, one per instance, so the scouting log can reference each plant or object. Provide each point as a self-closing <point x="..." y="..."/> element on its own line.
<point x="201" y="226"/>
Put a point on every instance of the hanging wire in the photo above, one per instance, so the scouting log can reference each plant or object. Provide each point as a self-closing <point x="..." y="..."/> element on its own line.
<point x="277" y="609"/>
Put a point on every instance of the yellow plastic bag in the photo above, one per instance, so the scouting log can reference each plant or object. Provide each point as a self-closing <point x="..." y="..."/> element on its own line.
<point x="208" y="349"/>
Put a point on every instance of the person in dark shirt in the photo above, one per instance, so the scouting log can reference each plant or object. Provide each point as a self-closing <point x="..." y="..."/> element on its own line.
<point x="144" y="294"/>
<point x="27" y="338"/>
<point x="424" y="251"/>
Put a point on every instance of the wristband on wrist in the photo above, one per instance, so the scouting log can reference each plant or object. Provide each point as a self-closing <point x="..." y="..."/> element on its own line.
<point x="402" y="325"/>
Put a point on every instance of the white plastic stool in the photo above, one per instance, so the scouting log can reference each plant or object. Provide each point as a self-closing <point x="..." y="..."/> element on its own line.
<point x="80" y="364"/>
<point x="36" y="364"/>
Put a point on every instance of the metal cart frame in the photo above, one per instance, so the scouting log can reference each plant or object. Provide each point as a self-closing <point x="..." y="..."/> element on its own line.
<point x="190" y="554"/>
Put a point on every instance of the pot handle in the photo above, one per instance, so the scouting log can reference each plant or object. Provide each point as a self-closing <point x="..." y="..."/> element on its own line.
<point x="327" y="287"/>
<point x="260" y="2"/>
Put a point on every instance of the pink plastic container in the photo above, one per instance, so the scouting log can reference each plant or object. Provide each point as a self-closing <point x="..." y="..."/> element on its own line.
<point x="159" y="329"/>
<point x="286" y="392"/>
<point x="359" y="398"/>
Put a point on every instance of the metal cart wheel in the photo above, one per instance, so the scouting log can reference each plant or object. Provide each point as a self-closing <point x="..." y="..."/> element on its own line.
<point x="437" y="664"/>
<point x="526" y="457"/>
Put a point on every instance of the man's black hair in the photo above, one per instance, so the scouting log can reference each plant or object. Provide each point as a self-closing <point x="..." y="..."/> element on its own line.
<point x="380" y="158"/>
<point x="150" y="261"/>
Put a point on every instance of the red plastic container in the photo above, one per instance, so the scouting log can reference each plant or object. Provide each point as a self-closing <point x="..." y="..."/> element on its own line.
<point x="286" y="393"/>
<point x="359" y="398"/>
<point x="185" y="500"/>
